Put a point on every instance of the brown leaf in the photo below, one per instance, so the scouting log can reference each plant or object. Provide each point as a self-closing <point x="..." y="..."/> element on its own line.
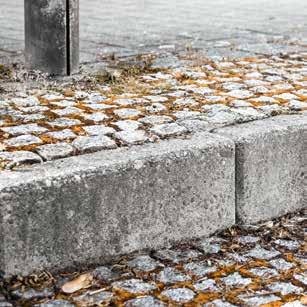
<point x="273" y="304"/>
<point x="304" y="300"/>
<point x="69" y="93"/>
<point x="81" y="282"/>
<point x="2" y="147"/>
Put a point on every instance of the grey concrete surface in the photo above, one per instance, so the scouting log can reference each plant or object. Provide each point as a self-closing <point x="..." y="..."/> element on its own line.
<point x="52" y="36"/>
<point x="134" y="26"/>
<point x="90" y="208"/>
<point x="270" y="162"/>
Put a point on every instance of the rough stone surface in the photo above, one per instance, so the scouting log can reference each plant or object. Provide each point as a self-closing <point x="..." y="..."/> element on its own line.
<point x="144" y="263"/>
<point x="132" y="137"/>
<point x="209" y="247"/>
<point x="172" y="276"/>
<point x="62" y="135"/>
<point x="166" y="130"/>
<point x="96" y="117"/>
<point x="248" y="240"/>
<point x="24" y="129"/>
<point x="236" y="279"/>
<point x="127" y="125"/>
<point x="26" y="102"/>
<point x="199" y="268"/>
<point x="52" y="303"/>
<point x="93" y="143"/>
<point x="105" y="274"/>
<point x="196" y="125"/>
<point x="218" y="303"/>
<point x="55" y="151"/>
<point x="177" y="256"/>
<point x="64" y="122"/>
<point x="259" y="300"/>
<point x="301" y="278"/>
<point x="135" y="286"/>
<point x="146" y="301"/>
<point x="95" y="299"/>
<point x="206" y="285"/>
<point x="281" y="264"/>
<point x="4" y="302"/>
<point x="127" y="113"/>
<point x="152" y="120"/>
<point x="179" y="295"/>
<point x="23" y="140"/>
<point x="269" y="166"/>
<point x="285" y="288"/>
<point x="124" y="186"/>
<point x="20" y="157"/>
<point x="98" y="130"/>
<point x="262" y="253"/>
<point x="288" y="244"/>
<point x="294" y="304"/>
<point x="67" y="111"/>
<point x="264" y="272"/>
<point x="32" y="294"/>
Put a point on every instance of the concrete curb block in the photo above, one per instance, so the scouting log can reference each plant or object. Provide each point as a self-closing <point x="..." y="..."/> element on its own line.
<point x="271" y="164"/>
<point x="90" y="208"/>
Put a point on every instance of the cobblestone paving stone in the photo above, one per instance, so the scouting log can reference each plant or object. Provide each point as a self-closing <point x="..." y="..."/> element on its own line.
<point x="272" y="274"/>
<point x="201" y="94"/>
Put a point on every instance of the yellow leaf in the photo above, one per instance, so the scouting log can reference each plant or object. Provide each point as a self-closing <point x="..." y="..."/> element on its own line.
<point x="273" y="304"/>
<point x="304" y="300"/>
<point x="81" y="282"/>
<point x="2" y="147"/>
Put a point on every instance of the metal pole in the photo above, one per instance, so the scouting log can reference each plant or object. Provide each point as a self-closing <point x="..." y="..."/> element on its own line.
<point x="52" y="36"/>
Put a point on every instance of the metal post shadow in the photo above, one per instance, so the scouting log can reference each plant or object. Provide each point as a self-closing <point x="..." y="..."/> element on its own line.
<point x="52" y="36"/>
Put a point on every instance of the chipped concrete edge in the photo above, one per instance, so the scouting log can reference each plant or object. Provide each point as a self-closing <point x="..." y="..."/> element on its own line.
<point x="93" y="207"/>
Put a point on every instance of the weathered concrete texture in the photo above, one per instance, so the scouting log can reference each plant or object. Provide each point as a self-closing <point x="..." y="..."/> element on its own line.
<point x="52" y="35"/>
<point x="92" y="207"/>
<point x="305" y="165"/>
<point x="270" y="160"/>
<point x="74" y="37"/>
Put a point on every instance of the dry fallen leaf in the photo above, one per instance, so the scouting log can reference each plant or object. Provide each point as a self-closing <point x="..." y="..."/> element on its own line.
<point x="304" y="300"/>
<point x="81" y="282"/>
<point x="273" y="304"/>
<point x="2" y="147"/>
<point x="69" y="93"/>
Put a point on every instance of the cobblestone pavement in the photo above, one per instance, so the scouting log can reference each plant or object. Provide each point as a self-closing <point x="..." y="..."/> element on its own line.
<point x="136" y="26"/>
<point x="255" y="265"/>
<point x="196" y="95"/>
